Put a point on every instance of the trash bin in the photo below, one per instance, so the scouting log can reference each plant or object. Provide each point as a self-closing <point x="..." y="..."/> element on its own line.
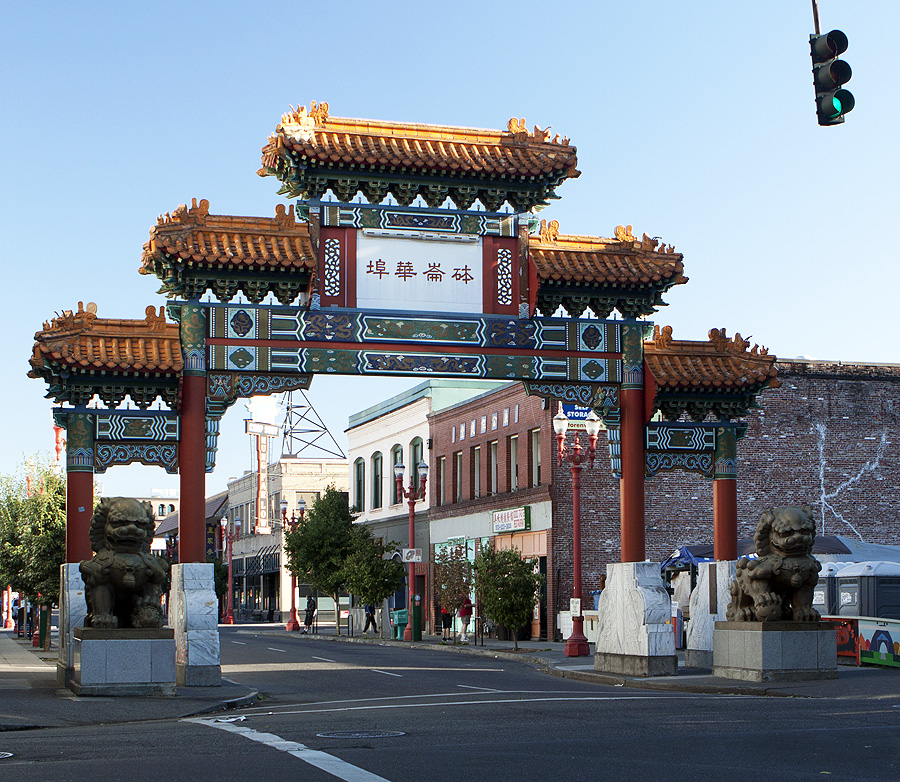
<point x="870" y="589"/>
<point x="595" y="593"/>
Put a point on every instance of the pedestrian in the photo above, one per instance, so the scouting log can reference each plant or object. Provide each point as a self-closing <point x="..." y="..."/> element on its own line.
<point x="446" y="623"/>
<point x="310" y="613"/>
<point x="465" y="614"/>
<point x="370" y="619"/>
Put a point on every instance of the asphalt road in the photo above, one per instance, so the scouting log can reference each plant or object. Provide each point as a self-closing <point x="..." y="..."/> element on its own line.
<point x="401" y="715"/>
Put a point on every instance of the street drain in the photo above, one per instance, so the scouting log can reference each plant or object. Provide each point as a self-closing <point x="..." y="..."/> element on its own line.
<point x="360" y="734"/>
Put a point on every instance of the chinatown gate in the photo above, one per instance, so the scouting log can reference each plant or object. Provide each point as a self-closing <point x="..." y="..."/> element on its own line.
<point x="401" y="284"/>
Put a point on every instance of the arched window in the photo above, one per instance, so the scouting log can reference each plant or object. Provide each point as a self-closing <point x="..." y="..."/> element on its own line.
<point x="171" y="508"/>
<point x="415" y="453"/>
<point x="396" y="458"/>
<point x="359" y="485"/>
<point x="161" y="510"/>
<point x="377" y="479"/>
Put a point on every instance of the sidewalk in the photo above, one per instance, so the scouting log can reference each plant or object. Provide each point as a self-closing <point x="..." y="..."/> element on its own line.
<point x="31" y="698"/>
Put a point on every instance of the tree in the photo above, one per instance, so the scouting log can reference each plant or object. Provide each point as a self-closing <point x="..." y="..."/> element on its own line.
<point x="33" y="532"/>
<point x="507" y="587"/>
<point x="370" y="572"/>
<point x="452" y="577"/>
<point x="318" y="548"/>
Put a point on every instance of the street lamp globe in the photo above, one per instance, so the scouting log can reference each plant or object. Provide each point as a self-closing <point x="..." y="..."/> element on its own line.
<point x="399" y="469"/>
<point x="301" y="506"/>
<point x="423" y="470"/>
<point x="560" y="423"/>
<point x="592" y="424"/>
<point x="284" y="508"/>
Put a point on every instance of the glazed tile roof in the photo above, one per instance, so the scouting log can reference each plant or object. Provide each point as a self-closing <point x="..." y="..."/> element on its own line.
<point x="315" y="136"/>
<point x="591" y="260"/>
<point x="720" y="365"/>
<point x="196" y="236"/>
<point x="83" y="342"/>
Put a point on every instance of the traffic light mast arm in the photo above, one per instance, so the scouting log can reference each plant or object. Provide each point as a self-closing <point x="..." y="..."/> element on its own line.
<point x="815" y="5"/>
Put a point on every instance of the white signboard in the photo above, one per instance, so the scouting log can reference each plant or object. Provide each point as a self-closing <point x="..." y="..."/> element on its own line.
<point x="575" y="606"/>
<point x="412" y="555"/>
<point x="576" y="415"/>
<point x="436" y="274"/>
<point x="512" y="520"/>
<point x="261" y="429"/>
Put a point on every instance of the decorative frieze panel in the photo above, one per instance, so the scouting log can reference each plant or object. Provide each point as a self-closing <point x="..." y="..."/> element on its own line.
<point x="662" y="436"/>
<point x="415" y="219"/>
<point x="163" y="455"/>
<point x="504" y="277"/>
<point x="332" y="267"/>
<point x="158" y="427"/>
<point x="689" y="462"/>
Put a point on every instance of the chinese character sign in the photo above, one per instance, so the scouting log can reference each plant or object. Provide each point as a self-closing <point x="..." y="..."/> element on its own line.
<point x="416" y="275"/>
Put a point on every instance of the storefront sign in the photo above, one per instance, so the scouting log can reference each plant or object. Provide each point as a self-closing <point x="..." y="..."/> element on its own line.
<point x="513" y="520"/>
<point x="576" y="415"/>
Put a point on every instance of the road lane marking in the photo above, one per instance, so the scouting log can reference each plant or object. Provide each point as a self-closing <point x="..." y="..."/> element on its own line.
<point x="273" y="649"/>
<point x="480" y="689"/>
<point x="322" y="760"/>
<point x="387" y="673"/>
<point x="324" y="659"/>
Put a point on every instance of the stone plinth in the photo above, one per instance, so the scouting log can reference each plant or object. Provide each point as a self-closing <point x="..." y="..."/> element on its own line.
<point x="131" y="661"/>
<point x="194" y="615"/>
<point x="709" y="602"/>
<point x="634" y="635"/>
<point x="72" y="611"/>
<point x="774" y="651"/>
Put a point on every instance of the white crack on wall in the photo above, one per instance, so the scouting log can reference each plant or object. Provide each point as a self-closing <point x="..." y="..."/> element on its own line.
<point x="847" y="485"/>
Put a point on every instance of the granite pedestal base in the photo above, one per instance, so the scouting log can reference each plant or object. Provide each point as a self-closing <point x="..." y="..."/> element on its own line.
<point x="774" y="651"/>
<point x="635" y="636"/>
<point x="132" y="661"/>
<point x="194" y="615"/>
<point x="72" y="611"/>
<point x="709" y="603"/>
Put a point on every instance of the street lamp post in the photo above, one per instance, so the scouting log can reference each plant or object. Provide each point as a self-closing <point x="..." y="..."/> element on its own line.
<point x="577" y="643"/>
<point x="293" y="624"/>
<point x="228" y="538"/>
<point x="411" y="494"/>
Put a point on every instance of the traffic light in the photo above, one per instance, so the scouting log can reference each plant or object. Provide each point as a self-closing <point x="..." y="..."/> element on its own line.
<point x="829" y="74"/>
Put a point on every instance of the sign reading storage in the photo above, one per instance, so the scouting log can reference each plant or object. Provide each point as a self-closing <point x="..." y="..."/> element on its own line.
<point x="512" y="520"/>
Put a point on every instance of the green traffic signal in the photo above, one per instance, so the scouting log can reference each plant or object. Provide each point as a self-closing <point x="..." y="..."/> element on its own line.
<point x="829" y="76"/>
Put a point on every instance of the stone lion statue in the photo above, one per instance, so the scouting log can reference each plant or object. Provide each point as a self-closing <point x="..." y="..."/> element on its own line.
<point x="123" y="581"/>
<point x="779" y="585"/>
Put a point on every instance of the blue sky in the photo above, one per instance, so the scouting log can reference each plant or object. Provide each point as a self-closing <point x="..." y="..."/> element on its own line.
<point x="694" y="122"/>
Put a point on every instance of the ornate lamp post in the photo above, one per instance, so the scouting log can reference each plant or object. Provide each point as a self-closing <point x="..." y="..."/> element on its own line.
<point x="411" y="494"/>
<point x="227" y="539"/>
<point x="293" y="624"/>
<point x="577" y="643"/>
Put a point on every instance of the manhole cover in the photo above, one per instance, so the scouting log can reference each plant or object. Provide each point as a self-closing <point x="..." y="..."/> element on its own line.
<point x="5" y="755"/>
<point x="360" y="734"/>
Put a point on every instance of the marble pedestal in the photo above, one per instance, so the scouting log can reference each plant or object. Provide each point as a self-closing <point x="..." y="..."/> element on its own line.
<point x="132" y="661"/>
<point x="635" y="635"/>
<point x="774" y="651"/>
<point x="72" y="611"/>
<point x="709" y="602"/>
<point x="194" y="615"/>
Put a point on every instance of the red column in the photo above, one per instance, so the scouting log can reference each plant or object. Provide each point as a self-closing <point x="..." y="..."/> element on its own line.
<point x="192" y="471"/>
<point x="725" y="518"/>
<point x="631" y="486"/>
<point x="79" y="509"/>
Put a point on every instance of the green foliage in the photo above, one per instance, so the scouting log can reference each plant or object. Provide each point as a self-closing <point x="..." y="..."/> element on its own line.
<point x="507" y="587"/>
<point x="319" y="547"/>
<point x="369" y="571"/>
<point x="452" y="577"/>
<point x="33" y="532"/>
<point x="220" y="575"/>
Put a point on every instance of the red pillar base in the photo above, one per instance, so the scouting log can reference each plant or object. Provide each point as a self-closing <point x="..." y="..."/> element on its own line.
<point x="577" y="643"/>
<point x="407" y="632"/>
<point x="228" y="620"/>
<point x="292" y="625"/>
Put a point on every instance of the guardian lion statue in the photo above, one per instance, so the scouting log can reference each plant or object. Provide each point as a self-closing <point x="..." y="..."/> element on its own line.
<point x="779" y="585"/>
<point x="124" y="581"/>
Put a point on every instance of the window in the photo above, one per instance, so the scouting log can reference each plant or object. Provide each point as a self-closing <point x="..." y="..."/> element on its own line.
<point x="493" y="455"/>
<point x="493" y="421"/>
<point x="161" y="510"/>
<point x="476" y="472"/>
<point x="396" y="458"/>
<point x="535" y="457"/>
<point x="171" y="508"/>
<point x="439" y="496"/>
<point x="377" y="479"/>
<point x="512" y="448"/>
<point x="483" y="424"/>
<point x="415" y="455"/>
<point x="457" y="476"/>
<point x="359" y="485"/>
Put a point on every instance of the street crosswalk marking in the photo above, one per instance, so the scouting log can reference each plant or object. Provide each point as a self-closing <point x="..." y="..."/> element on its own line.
<point x="321" y="760"/>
